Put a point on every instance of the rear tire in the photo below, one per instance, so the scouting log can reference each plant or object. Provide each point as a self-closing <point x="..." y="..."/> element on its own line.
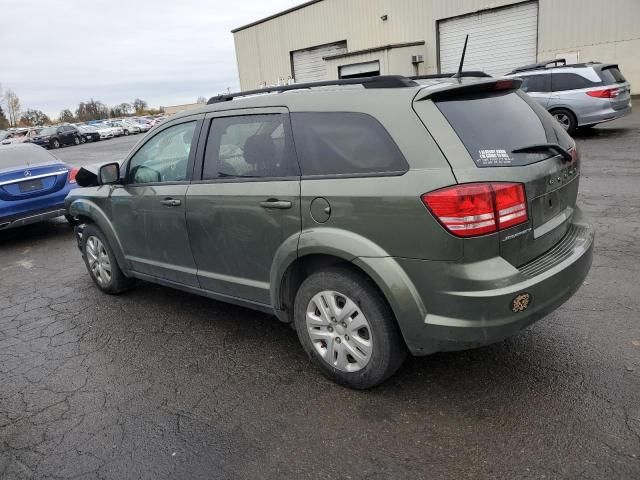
<point x="566" y="119"/>
<point x="76" y="141"/>
<point x="354" y="340"/>
<point x="101" y="262"/>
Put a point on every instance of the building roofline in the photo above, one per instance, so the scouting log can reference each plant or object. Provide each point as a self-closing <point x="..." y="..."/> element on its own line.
<point x="276" y="15"/>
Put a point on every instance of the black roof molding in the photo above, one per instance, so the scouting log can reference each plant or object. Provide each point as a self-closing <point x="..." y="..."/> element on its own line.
<point x="558" y="62"/>
<point x="381" y="81"/>
<point x="469" y="74"/>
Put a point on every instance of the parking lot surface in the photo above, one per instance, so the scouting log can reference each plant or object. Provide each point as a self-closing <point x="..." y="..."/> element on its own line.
<point x="159" y="384"/>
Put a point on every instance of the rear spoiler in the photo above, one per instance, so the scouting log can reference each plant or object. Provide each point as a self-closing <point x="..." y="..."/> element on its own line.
<point x="461" y="89"/>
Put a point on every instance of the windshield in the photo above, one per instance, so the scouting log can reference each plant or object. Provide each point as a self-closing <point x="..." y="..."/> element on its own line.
<point x="492" y="125"/>
<point x="48" y="131"/>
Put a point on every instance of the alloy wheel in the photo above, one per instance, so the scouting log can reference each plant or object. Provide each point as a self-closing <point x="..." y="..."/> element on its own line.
<point x="563" y="119"/>
<point x="339" y="331"/>
<point x="98" y="260"/>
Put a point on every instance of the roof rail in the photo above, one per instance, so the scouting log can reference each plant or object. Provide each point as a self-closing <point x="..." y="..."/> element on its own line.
<point x="381" y="81"/>
<point x="470" y="73"/>
<point x="540" y="65"/>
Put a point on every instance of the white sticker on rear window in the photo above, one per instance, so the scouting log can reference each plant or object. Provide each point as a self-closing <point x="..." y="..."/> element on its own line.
<point x="494" y="157"/>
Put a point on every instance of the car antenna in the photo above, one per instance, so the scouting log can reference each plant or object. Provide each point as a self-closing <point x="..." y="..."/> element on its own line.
<point x="458" y="74"/>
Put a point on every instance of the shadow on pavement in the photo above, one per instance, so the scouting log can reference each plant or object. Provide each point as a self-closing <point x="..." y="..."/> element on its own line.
<point x="39" y="232"/>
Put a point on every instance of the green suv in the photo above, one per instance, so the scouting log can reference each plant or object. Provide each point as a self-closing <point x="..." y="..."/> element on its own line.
<point x="378" y="216"/>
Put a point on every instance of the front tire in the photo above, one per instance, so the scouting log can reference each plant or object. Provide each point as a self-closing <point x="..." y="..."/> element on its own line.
<point x="126" y="133"/>
<point x="566" y="119"/>
<point x="101" y="262"/>
<point x="55" y="143"/>
<point x="347" y="328"/>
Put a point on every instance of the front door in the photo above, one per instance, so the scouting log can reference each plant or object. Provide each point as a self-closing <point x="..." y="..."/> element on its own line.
<point x="247" y="203"/>
<point x="148" y="211"/>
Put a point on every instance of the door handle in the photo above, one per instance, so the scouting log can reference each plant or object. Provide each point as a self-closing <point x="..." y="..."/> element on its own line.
<point x="170" y="202"/>
<point x="276" y="204"/>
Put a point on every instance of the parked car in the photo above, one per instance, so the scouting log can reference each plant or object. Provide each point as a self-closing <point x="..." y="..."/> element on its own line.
<point x="416" y="217"/>
<point x="104" y="130"/>
<point x="127" y="126"/>
<point x="143" y="124"/>
<point x="117" y="129"/>
<point x="33" y="185"/>
<point x="55" y="137"/>
<point x="89" y="133"/>
<point x="579" y="95"/>
<point x="19" y="136"/>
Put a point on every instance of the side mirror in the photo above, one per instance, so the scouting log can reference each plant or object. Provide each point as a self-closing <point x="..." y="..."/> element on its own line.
<point x="109" y="174"/>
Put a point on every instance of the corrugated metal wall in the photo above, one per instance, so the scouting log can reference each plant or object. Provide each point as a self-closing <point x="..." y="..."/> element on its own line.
<point x="607" y="31"/>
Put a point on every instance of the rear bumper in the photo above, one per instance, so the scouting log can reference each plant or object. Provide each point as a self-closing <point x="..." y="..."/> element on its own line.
<point x="32" y="217"/>
<point x="603" y="115"/>
<point x="471" y="305"/>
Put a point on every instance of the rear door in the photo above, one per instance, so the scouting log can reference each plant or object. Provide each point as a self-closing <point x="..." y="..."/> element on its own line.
<point x="148" y="211"/>
<point x="247" y="202"/>
<point x="479" y="132"/>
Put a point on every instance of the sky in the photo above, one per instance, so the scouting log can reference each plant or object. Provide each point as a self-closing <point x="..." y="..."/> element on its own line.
<point x="54" y="54"/>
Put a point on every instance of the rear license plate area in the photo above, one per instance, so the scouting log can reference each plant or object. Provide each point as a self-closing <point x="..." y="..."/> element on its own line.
<point x="30" y="186"/>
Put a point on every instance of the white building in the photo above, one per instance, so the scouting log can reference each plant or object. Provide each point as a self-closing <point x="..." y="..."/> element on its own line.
<point x="330" y="39"/>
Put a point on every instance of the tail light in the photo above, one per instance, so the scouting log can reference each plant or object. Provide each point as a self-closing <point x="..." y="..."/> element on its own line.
<point x="72" y="175"/>
<point x="604" y="93"/>
<point x="473" y="209"/>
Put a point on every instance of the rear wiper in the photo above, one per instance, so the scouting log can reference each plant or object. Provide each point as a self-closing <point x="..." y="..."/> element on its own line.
<point x="545" y="147"/>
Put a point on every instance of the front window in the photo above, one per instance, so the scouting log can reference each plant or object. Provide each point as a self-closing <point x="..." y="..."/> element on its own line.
<point x="164" y="158"/>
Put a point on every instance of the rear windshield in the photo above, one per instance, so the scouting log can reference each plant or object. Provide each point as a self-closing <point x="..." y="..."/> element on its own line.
<point x="20" y="156"/>
<point x="611" y="75"/>
<point x="492" y="125"/>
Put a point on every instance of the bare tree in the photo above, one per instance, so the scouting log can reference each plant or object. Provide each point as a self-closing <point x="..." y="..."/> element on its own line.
<point x="13" y="107"/>
<point x="201" y="99"/>
<point x="32" y="118"/>
<point x="139" y="106"/>
<point x="4" y="123"/>
<point x="66" y="115"/>
<point x="91" y="110"/>
<point x="120" y="110"/>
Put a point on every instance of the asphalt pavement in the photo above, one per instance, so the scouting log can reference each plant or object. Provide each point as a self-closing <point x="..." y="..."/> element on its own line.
<point x="160" y="384"/>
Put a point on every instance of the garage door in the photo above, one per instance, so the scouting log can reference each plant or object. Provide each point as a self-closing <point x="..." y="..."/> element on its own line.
<point x="309" y="66"/>
<point x="499" y="40"/>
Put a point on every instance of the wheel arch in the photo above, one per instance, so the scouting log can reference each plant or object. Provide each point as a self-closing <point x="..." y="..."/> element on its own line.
<point x="324" y="248"/>
<point x="87" y="211"/>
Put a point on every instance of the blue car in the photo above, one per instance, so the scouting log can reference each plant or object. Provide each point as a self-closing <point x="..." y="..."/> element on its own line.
<point x="33" y="185"/>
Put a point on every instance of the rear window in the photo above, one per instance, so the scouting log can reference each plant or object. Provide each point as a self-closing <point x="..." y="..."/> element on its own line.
<point x="611" y="75"/>
<point x="344" y="143"/>
<point x="21" y="156"/>
<point x="570" y="81"/>
<point x="492" y="125"/>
